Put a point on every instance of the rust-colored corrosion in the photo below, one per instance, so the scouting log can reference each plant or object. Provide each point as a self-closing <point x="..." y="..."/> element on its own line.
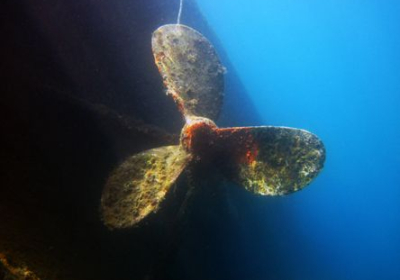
<point x="197" y="135"/>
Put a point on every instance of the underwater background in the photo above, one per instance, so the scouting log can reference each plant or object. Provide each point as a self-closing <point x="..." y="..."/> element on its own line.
<point x="333" y="68"/>
<point x="81" y="93"/>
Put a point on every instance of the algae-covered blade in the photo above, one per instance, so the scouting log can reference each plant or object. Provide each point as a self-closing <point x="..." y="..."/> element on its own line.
<point x="137" y="187"/>
<point x="191" y="69"/>
<point x="270" y="160"/>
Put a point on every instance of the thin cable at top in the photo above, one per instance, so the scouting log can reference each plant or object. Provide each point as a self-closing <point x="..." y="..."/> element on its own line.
<point x="180" y="12"/>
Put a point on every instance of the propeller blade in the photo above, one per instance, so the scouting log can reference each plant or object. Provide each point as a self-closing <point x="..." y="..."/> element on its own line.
<point x="137" y="187"/>
<point x="191" y="70"/>
<point x="269" y="160"/>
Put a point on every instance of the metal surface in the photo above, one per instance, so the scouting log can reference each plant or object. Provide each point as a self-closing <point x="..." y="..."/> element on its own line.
<point x="190" y="68"/>
<point x="269" y="160"/>
<point x="264" y="160"/>
<point x="138" y="186"/>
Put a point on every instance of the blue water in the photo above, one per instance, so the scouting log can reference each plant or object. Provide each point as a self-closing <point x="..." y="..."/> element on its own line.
<point x="331" y="67"/>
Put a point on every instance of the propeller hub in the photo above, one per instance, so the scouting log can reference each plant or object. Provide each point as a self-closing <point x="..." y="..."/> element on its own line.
<point x="197" y="135"/>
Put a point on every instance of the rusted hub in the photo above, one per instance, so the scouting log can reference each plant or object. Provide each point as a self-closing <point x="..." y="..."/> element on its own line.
<point x="198" y="135"/>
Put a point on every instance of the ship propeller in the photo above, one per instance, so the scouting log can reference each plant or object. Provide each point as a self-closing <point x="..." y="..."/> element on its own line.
<point x="265" y="160"/>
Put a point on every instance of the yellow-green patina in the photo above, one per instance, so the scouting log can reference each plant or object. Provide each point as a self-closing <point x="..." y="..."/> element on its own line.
<point x="137" y="187"/>
<point x="287" y="160"/>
